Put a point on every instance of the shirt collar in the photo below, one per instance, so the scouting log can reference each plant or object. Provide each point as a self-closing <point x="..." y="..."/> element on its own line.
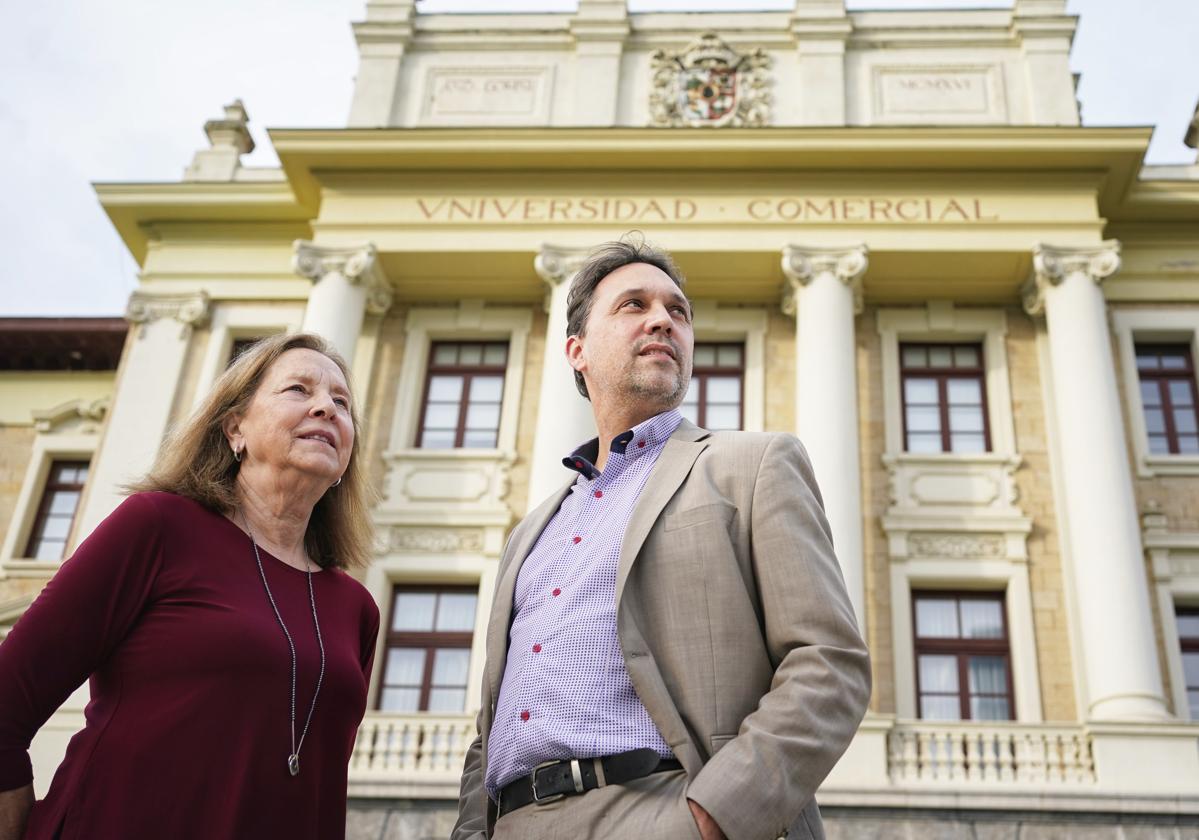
<point x="647" y="436"/>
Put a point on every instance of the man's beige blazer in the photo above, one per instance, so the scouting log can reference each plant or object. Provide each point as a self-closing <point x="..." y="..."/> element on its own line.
<point x="736" y="629"/>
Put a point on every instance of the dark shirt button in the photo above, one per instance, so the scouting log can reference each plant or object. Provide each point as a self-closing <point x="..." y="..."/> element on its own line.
<point x="599" y="494"/>
<point x="640" y="444"/>
<point x="576" y="540"/>
<point x="524" y="715"/>
<point x="557" y="592"/>
<point x="536" y="648"/>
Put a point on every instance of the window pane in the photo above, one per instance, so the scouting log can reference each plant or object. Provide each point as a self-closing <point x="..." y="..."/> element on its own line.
<point x="400" y="700"/>
<point x="445" y="354"/>
<point x="1180" y="393"/>
<point x="487" y="389"/>
<point x="723" y="417"/>
<point x="1188" y="445"/>
<point x="965" y="419"/>
<point x="495" y="354"/>
<point x="692" y="395"/>
<point x="964" y="391"/>
<point x="479" y="439"/>
<point x="924" y="419"/>
<point x="704" y="356"/>
<point x="1155" y="421"/>
<point x="63" y="502"/>
<point x="724" y="389"/>
<point x="966" y="357"/>
<point x="1193" y="699"/>
<point x="1188" y="626"/>
<point x="445" y="389"/>
<point x="450" y="666"/>
<point x="728" y="356"/>
<point x="484" y="416"/>
<point x="49" y="549"/>
<point x="915" y="357"/>
<point x="1150" y="394"/>
<point x="437" y="440"/>
<point x="989" y="708"/>
<point x="937" y="618"/>
<point x="56" y="527"/>
<point x="690" y="411"/>
<point x="920" y="391"/>
<point x="457" y="611"/>
<point x="1184" y="421"/>
<point x="924" y="442"/>
<point x="981" y="619"/>
<point x="447" y="700"/>
<point x="1146" y="359"/>
<point x="940" y="708"/>
<point x="1173" y="361"/>
<point x="1190" y="668"/>
<point x="988" y="675"/>
<point x="939" y="357"/>
<point x="405" y="666"/>
<point x="441" y="416"/>
<point x="413" y="611"/>
<point x="970" y="442"/>
<point x="938" y="674"/>
<point x="470" y="354"/>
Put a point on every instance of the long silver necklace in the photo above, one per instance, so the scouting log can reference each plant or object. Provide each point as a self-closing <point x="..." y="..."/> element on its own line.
<point x="293" y="759"/>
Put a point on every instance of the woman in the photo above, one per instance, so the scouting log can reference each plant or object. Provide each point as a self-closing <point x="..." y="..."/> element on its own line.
<point x="228" y="651"/>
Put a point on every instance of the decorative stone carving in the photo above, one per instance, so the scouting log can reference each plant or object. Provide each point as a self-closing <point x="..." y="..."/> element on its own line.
<point x="435" y="540"/>
<point x="87" y="415"/>
<point x="358" y="265"/>
<point x="710" y="85"/>
<point x="189" y="310"/>
<point x="802" y="265"/>
<point x="556" y="265"/>
<point x="1052" y="265"/>
<point x="957" y="546"/>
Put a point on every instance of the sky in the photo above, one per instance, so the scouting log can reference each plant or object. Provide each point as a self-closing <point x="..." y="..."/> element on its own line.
<point x="119" y="91"/>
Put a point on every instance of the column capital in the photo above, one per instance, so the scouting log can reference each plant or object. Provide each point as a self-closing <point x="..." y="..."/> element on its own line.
<point x="359" y="265"/>
<point x="1051" y="265"/>
<point x="802" y="265"/>
<point x="555" y="265"/>
<point x="190" y="310"/>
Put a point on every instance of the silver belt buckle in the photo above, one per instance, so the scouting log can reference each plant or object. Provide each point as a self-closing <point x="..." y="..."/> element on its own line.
<point x="576" y="775"/>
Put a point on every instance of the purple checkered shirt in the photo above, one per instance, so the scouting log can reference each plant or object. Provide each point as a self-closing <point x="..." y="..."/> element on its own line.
<point x="566" y="692"/>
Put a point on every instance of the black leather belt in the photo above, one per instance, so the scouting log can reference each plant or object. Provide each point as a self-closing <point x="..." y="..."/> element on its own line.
<point x="553" y="780"/>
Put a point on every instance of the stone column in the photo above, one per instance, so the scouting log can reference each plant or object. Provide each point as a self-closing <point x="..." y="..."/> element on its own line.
<point x="824" y="293"/>
<point x="821" y="28"/>
<point x="599" y="28"/>
<point x="348" y="283"/>
<point x="564" y="417"/>
<point x="382" y="40"/>
<point x="1118" y="649"/>
<point x="147" y="389"/>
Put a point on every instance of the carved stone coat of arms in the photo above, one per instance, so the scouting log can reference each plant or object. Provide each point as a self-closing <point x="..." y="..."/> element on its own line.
<point x="710" y="84"/>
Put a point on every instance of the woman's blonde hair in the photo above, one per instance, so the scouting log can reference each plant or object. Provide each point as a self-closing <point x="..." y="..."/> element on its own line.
<point x="196" y="461"/>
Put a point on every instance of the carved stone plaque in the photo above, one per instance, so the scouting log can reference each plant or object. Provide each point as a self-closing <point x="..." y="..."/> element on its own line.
<point x="487" y="95"/>
<point x="939" y="94"/>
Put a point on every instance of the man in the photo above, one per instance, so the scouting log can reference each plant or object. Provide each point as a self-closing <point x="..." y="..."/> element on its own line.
<point x="671" y="650"/>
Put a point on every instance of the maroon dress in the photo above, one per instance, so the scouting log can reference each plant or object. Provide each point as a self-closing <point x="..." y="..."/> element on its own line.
<point x="187" y="732"/>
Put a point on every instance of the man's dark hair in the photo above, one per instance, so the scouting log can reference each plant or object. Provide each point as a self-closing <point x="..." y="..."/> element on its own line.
<point x="629" y="249"/>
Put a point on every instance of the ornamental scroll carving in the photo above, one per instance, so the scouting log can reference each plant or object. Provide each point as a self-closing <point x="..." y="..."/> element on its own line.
<point x="557" y="265"/>
<point x="435" y="540"/>
<point x="1053" y="265"/>
<point x="803" y="265"/>
<point x="710" y="85"/>
<point x="189" y="310"/>
<point x="359" y="266"/>
<point x="957" y="546"/>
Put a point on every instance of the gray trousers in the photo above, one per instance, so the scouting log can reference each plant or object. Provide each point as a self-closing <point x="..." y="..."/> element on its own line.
<point x="653" y="807"/>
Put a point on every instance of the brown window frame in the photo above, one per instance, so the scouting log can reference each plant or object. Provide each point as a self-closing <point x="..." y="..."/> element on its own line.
<point x="467" y="372"/>
<point x="700" y="375"/>
<point x="430" y="640"/>
<point x="943" y="375"/>
<point x="241" y="344"/>
<point x="1163" y="378"/>
<point x="963" y="649"/>
<point x="1187" y="644"/>
<point x="49" y="488"/>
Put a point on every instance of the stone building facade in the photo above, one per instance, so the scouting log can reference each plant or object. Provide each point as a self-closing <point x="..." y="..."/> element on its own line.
<point x="981" y="317"/>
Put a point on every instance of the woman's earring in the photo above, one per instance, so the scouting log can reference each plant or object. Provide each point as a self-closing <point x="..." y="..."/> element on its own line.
<point x="337" y="482"/>
<point x="237" y="454"/>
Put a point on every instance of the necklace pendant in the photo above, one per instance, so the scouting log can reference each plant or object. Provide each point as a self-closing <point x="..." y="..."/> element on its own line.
<point x="293" y="764"/>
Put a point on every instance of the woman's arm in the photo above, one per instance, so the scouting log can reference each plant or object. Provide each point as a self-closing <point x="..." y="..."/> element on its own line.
<point x="15" y="806"/>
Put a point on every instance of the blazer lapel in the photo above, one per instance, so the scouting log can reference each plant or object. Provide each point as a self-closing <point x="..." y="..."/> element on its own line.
<point x="524" y="539"/>
<point x="674" y="463"/>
